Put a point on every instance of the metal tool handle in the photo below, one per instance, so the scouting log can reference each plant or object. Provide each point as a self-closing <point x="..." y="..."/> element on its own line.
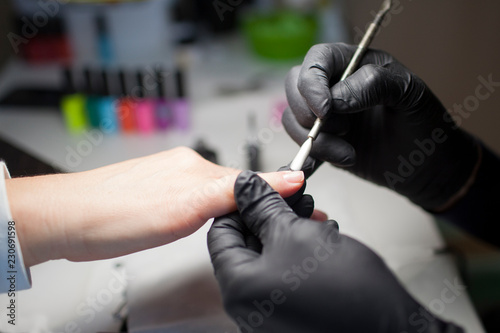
<point x="305" y="149"/>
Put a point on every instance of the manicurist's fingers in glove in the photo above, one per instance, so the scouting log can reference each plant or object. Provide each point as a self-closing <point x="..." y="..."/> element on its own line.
<point x="304" y="276"/>
<point x="382" y="123"/>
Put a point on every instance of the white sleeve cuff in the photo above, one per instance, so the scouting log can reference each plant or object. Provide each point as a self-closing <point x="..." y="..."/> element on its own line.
<point x="13" y="274"/>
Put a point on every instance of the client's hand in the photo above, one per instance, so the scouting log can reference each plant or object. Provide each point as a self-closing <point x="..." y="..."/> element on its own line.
<point x="124" y="207"/>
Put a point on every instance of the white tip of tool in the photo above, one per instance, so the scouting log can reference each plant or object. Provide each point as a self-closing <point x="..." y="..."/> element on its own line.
<point x="301" y="157"/>
<point x="386" y="5"/>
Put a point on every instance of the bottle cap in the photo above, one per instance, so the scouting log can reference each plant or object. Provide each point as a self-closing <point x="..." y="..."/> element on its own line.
<point x="123" y="83"/>
<point x="68" y="82"/>
<point x="140" y="83"/>
<point x="179" y="80"/>
<point x="105" y="83"/>
<point x="160" y="80"/>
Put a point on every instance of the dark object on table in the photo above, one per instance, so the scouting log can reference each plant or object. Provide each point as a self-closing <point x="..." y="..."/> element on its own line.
<point x="21" y="163"/>
<point x="32" y="97"/>
<point x="205" y="151"/>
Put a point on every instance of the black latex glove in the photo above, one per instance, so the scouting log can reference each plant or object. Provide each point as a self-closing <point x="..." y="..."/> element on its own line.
<point x="309" y="167"/>
<point x="306" y="277"/>
<point x="384" y="124"/>
<point x="302" y="204"/>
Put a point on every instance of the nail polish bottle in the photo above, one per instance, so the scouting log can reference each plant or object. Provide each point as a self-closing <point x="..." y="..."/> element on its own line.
<point x="144" y="108"/>
<point x="73" y="105"/>
<point x="108" y="121"/>
<point x="163" y="111"/>
<point x="92" y="100"/>
<point x="181" y="107"/>
<point x="104" y="42"/>
<point x="125" y="107"/>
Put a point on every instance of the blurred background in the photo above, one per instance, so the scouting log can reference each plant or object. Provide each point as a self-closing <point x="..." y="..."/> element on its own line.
<point x="57" y="55"/>
<point x="449" y="43"/>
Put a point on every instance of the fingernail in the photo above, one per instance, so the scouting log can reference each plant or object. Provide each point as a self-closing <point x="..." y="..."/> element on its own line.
<point x="295" y="177"/>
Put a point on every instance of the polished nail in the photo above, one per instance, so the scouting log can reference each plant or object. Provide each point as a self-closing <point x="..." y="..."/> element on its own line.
<point x="294" y="177"/>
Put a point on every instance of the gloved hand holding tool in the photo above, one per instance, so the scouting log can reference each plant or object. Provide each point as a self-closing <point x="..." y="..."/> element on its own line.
<point x="382" y="123"/>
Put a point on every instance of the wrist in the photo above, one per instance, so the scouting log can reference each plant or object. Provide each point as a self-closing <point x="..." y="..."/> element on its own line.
<point x="449" y="173"/>
<point x="38" y="217"/>
<point x="464" y="189"/>
<point x="475" y="211"/>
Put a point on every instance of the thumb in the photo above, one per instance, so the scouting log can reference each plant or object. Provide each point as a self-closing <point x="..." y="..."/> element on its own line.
<point x="259" y="205"/>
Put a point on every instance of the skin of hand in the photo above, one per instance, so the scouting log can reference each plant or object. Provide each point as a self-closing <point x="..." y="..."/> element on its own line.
<point x="124" y="207"/>
<point x="382" y="123"/>
<point x="279" y="272"/>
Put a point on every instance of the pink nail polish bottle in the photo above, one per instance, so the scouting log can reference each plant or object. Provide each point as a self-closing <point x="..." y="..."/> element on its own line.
<point x="144" y="109"/>
<point x="163" y="107"/>
<point x="180" y="106"/>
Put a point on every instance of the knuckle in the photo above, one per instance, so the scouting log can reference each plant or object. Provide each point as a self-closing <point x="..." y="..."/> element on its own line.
<point x="374" y="74"/>
<point x="303" y="83"/>
<point x="187" y="154"/>
<point x="381" y="57"/>
<point x="343" y="48"/>
<point x="319" y="48"/>
<point x="343" y="53"/>
<point x="305" y="119"/>
<point x="183" y="150"/>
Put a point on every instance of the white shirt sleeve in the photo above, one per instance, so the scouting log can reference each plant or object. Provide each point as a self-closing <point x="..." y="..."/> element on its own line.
<point x="13" y="274"/>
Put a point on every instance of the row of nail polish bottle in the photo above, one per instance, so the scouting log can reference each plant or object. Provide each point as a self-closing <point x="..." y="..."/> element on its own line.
<point x="141" y="107"/>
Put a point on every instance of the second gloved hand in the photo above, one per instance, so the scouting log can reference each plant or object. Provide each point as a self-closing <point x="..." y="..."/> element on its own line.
<point x="384" y="125"/>
<point x="304" y="276"/>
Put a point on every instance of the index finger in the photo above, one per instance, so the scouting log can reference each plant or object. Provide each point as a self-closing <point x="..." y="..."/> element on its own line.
<point x="227" y="245"/>
<point x="322" y="64"/>
<point x="260" y="206"/>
